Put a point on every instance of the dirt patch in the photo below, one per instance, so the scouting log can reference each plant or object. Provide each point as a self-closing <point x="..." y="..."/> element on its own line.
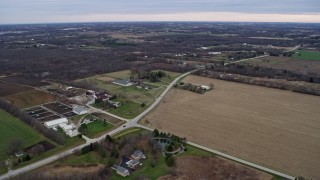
<point x="25" y="81"/>
<point x="9" y="88"/>
<point x="39" y="148"/>
<point x="192" y="167"/>
<point x="274" y="128"/>
<point x="105" y="78"/>
<point x="30" y="98"/>
<point x="68" y="171"/>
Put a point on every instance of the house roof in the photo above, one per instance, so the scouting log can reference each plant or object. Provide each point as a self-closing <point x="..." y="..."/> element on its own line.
<point x="56" y="122"/>
<point x="65" y="126"/>
<point x="133" y="162"/>
<point x="137" y="152"/>
<point x="122" y="169"/>
<point x="79" y="109"/>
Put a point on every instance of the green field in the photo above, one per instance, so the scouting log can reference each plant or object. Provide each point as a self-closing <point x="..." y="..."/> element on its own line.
<point x="98" y="127"/>
<point x="10" y="128"/>
<point x="89" y="158"/>
<point x="307" y="55"/>
<point x="128" y="110"/>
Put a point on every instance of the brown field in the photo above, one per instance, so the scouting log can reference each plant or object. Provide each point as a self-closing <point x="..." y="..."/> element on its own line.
<point x="287" y="63"/>
<point x="193" y="167"/>
<point x="8" y="88"/>
<point x="105" y="78"/>
<point x="30" y="98"/>
<point x="274" y="128"/>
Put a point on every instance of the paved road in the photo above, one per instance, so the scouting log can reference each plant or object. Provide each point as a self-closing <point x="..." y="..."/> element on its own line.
<point x="234" y="62"/>
<point x="242" y="60"/>
<point x="129" y="124"/>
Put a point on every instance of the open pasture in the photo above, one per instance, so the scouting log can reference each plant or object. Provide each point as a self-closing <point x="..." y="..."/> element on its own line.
<point x="274" y="128"/>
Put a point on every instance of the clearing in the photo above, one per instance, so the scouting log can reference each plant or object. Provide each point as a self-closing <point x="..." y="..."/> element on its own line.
<point x="11" y="128"/>
<point x="307" y="55"/>
<point x="30" y="98"/>
<point x="274" y="128"/>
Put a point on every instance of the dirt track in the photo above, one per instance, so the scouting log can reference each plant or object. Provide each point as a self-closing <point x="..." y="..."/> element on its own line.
<point x="275" y="128"/>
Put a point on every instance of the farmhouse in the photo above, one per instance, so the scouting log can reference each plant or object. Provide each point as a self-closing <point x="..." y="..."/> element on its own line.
<point x="55" y="123"/>
<point x="205" y="87"/>
<point x="103" y="96"/>
<point x="123" y="82"/>
<point x="137" y="154"/>
<point x="132" y="163"/>
<point x="80" y="110"/>
<point x="121" y="170"/>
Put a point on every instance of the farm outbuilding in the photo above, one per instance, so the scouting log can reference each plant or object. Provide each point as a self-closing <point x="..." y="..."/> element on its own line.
<point x="123" y="82"/>
<point x="55" y="123"/>
<point x="79" y="110"/>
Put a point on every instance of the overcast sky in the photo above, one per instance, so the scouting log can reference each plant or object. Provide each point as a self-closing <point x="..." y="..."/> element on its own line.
<point x="42" y="11"/>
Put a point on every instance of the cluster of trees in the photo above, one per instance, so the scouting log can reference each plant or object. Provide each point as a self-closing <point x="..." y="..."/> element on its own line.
<point x="191" y="87"/>
<point x="258" y="71"/>
<point x="173" y="143"/>
<point x="49" y="133"/>
<point x="153" y="76"/>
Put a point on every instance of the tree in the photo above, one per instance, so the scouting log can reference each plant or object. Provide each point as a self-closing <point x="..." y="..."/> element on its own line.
<point x="170" y="160"/>
<point x="155" y="132"/>
<point x="143" y="104"/>
<point x="14" y="146"/>
<point x="83" y="129"/>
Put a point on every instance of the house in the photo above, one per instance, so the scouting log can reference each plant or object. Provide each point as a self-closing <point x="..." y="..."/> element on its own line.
<point x="19" y="154"/>
<point x="214" y="53"/>
<point x="65" y="127"/>
<point x="123" y="82"/>
<point x="103" y="96"/>
<point x="205" y="87"/>
<point x="115" y="104"/>
<point x="137" y="154"/>
<point x="122" y="171"/>
<point x="80" y="110"/>
<point x="133" y="163"/>
<point x="55" y="123"/>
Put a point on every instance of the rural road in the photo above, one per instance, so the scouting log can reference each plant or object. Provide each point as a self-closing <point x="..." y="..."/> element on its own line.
<point x="129" y="124"/>
<point x="242" y="60"/>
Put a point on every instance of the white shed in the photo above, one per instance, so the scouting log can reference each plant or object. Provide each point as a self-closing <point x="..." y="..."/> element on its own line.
<point x="56" y="122"/>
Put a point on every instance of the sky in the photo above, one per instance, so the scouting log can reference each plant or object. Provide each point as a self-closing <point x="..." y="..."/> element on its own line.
<point x="54" y="11"/>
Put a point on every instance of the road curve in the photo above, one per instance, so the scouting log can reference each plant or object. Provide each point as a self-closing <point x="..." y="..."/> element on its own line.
<point x="129" y="124"/>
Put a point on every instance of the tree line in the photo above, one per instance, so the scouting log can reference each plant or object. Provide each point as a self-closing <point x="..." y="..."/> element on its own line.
<point x="49" y="133"/>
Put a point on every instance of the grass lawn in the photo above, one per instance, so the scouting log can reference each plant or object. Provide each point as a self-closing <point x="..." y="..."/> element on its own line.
<point x="161" y="169"/>
<point x="119" y="74"/>
<point x="194" y="151"/>
<point x="76" y="119"/>
<point x="10" y="128"/>
<point x="30" y="98"/>
<point x="128" y="109"/>
<point x="98" y="127"/>
<point x="307" y="55"/>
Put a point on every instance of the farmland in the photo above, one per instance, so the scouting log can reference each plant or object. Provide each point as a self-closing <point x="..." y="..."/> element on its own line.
<point x="10" y="128"/>
<point x="30" y="98"/>
<point x="307" y="55"/>
<point x="287" y="63"/>
<point x="8" y="88"/>
<point x="258" y="124"/>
